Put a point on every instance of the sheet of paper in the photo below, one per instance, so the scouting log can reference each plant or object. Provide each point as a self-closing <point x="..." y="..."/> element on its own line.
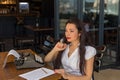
<point x="11" y="52"/>
<point x="37" y="74"/>
<point x="14" y="53"/>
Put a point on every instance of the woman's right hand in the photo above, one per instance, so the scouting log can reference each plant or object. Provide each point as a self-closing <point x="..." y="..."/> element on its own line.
<point x="60" y="46"/>
<point x="53" y="53"/>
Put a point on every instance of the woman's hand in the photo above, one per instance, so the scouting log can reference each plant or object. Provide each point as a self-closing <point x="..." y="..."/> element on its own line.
<point x="54" y="52"/>
<point x="62" y="72"/>
<point x="59" y="46"/>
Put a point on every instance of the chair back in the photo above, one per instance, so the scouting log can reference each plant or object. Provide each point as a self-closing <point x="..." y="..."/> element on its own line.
<point x="99" y="57"/>
<point x="100" y="51"/>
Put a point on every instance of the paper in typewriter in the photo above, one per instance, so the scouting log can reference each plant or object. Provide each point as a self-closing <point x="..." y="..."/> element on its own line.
<point x="11" y="52"/>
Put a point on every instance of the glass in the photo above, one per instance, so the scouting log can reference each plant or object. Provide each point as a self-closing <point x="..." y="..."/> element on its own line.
<point x="67" y="9"/>
<point x="91" y="18"/>
<point x="111" y="13"/>
<point x="111" y="8"/>
<point x="110" y="25"/>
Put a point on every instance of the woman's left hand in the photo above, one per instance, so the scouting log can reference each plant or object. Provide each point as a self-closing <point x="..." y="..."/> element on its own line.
<point x="62" y="72"/>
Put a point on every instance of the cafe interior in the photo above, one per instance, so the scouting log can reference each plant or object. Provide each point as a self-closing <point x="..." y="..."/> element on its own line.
<point x="38" y="24"/>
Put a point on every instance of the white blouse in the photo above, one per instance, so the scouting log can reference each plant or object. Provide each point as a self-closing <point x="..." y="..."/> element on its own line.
<point x="71" y="63"/>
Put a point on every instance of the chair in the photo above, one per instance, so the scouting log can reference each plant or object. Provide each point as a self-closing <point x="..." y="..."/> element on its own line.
<point x="99" y="57"/>
<point x="112" y="44"/>
<point x="21" y="39"/>
<point x="23" y="42"/>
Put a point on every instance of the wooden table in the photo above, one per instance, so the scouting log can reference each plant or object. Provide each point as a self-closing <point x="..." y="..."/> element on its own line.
<point x="39" y="32"/>
<point x="11" y="73"/>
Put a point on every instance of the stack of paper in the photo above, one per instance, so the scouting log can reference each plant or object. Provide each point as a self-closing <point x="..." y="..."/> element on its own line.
<point x="37" y="74"/>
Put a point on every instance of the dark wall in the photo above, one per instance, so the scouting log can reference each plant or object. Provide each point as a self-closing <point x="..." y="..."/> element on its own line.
<point x="7" y="25"/>
<point x="47" y="10"/>
<point x="30" y="20"/>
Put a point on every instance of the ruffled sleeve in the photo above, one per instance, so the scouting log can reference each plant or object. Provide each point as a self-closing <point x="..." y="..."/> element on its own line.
<point x="90" y="52"/>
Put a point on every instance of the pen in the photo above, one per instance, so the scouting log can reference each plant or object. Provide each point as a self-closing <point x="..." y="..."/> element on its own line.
<point x="44" y="70"/>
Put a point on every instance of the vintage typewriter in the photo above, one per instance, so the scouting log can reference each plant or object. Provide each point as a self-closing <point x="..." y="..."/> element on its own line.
<point x="28" y="60"/>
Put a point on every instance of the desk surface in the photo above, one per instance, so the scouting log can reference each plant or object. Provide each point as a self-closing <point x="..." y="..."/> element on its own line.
<point x="39" y="28"/>
<point x="11" y="73"/>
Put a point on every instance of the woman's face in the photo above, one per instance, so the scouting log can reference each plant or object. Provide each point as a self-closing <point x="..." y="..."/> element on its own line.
<point x="72" y="33"/>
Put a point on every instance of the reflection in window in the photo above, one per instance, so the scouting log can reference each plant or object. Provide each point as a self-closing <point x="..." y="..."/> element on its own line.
<point x="110" y="11"/>
<point x="67" y="6"/>
<point x="67" y="9"/>
<point x="111" y="6"/>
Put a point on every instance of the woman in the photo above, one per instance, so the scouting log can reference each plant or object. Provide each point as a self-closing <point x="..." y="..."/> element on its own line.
<point x="74" y="59"/>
